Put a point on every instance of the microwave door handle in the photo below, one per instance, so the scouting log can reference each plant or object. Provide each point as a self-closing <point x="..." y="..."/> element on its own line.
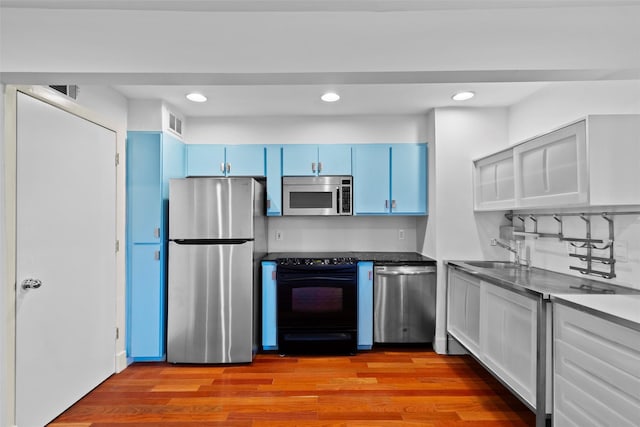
<point x="338" y="204"/>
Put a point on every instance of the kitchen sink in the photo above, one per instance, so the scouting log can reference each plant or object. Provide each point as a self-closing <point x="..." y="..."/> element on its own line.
<point x="493" y="264"/>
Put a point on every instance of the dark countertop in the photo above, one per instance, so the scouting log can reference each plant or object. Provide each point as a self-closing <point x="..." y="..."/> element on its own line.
<point x="382" y="258"/>
<point x="540" y="282"/>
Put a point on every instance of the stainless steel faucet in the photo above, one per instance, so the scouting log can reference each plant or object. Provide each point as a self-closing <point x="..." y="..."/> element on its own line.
<point x="516" y="251"/>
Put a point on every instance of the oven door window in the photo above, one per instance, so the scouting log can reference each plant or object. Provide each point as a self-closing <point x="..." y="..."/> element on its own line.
<point x="317" y="300"/>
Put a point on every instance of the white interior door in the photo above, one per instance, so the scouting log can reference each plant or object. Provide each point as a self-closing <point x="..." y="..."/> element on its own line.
<point x="66" y="232"/>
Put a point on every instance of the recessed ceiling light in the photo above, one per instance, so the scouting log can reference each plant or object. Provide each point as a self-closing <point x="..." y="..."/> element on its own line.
<point x="463" y="96"/>
<point x="196" y="97"/>
<point x="330" y="97"/>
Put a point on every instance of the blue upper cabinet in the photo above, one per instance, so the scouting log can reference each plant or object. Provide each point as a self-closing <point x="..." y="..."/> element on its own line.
<point x="230" y="160"/>
<point x="371" y="179"/>
<point x="245" y="160"/>
<point x="409" y="179"/>
<point x="274" y="180"/>
<point x="334" y="159"/>
<point x="299" y="160"/>
<point x="205" y="160"/>
<point x="390" y="179"/>
<point x="313" y="160"/>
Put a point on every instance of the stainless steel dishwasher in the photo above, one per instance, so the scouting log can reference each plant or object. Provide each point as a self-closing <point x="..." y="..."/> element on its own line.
<point x="404" y="304"/>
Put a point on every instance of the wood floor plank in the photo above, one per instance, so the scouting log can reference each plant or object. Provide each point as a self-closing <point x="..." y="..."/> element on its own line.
<point x="384" y="387"/>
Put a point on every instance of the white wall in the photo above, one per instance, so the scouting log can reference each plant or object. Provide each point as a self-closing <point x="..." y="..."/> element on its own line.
<point x="561" y="103"/>
<point x="306" y="130"/>
<point x="461" y="134"/>
<point x="553" y="107"/>
<point x="4" y="349"/>
<point x="357" y="233"/>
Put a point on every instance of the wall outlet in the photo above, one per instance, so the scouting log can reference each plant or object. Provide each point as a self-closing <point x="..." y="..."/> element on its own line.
<point x="278" y="234"/>
<point x="400" y="234"/>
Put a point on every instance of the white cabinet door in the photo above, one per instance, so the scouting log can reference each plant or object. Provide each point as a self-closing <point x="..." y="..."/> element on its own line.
<point x="463" y="311"/>
<point x="551" y="170"/>
<point x="494" y="182"/>
<point x="508" y="337"/>
<point x="596" y="371"/>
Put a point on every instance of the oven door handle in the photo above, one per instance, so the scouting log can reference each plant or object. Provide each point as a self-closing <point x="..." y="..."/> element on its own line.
<point x="406" y="273"/>
<point x="307" y="278"/>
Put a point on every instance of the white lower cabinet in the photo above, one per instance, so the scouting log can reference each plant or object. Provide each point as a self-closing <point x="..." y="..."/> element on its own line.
<point x="463" y="311"/>
<point x="596" y="371"/>
<point x="500" y="328"/>
<point x="508" y="338"/>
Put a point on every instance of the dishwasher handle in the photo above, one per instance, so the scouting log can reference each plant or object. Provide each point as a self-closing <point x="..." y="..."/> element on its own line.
<point x="428" y="270"/>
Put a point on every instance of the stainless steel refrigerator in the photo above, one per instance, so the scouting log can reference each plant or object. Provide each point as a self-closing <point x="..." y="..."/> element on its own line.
<point x="217" y="236"/>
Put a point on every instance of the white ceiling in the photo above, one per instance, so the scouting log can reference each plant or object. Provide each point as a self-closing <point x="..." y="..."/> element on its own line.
<point x="276" y="100"/>
<point x="260" y="73"/>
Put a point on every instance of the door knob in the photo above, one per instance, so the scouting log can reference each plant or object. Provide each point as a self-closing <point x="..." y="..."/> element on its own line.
<point x="31" y="284"/>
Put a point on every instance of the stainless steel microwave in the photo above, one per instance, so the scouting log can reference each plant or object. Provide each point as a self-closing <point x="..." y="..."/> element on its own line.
<point x="317" y="195"/>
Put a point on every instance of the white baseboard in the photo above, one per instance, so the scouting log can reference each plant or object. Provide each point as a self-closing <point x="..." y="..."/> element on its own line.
<point x="454" y="347"/>
<point x="440" y="345"/>
<point x="121" y="361"/>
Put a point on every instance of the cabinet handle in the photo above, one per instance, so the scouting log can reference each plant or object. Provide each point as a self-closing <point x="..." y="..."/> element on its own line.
<point x="545" y="169"/>
<point x="313" y="167"/>
<point x="386" y="204"/>
<point x="495" y="181"/>
<point x="228" y="167"/>
<point x="222" y="167"/>
<point x="156" y="255"/>
<point x="393" y="204"/>
<point x="319" y="167"/>
<point x="156" y="232"/>
<point x="370" y="274"/>
<point x="268" y="203"/>
<point x="273" y="275"/>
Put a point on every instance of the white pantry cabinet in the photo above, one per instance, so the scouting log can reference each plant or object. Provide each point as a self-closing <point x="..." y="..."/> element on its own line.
<point x="594" y="161"/>
<point x="596" y="370"/>
<point x="494" y="182"/>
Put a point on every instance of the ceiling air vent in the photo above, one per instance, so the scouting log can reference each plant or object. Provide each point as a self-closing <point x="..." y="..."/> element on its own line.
<point x="70" y="90"/>
<point x="175" y="124"/>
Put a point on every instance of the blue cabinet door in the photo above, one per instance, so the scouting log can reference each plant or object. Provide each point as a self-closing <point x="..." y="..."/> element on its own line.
<point x="245" y="160"/>
<point x="146" y="306"/>
<point x="274" y="180"/>
<point x="365" y="305"/>
<point x="205" y="160"/>
<point x="409" y="179"/>
<point x="269" y="320"/>
<point x="299" y="160"/>
<point x="371" y="180"/>
<point x="334" y="159"/>
<point x="144" y="187"/>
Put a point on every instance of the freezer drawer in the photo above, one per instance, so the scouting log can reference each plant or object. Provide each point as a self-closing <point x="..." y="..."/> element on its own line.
<point x="404" y="304"/>
<point x="211" y="303"/>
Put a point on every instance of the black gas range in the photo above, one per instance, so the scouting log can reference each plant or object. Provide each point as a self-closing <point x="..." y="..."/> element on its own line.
<point x="317" y="304"/>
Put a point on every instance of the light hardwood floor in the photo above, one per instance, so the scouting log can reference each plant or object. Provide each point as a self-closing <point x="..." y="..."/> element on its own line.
<point x="384" y="387"/>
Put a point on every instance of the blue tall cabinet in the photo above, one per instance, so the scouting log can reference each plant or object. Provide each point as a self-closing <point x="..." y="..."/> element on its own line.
<point x="152" y="159"/>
